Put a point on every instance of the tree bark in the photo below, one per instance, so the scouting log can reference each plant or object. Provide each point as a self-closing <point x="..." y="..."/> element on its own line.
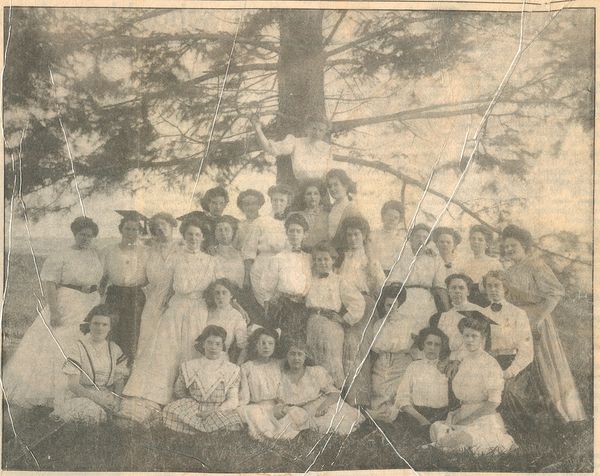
<point x="300" y="73"/>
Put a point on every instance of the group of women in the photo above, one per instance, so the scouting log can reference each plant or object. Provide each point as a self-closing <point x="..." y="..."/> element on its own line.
<point x="301" y="318"/>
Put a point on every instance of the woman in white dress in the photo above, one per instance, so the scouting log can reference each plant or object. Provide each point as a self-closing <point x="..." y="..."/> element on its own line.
<point x="313" y="205"/>
<point x="388" y="241"/>
<point x="365" y="273"/>
<point x="478" y="384"/>
<point x="94" y="374"/>
<point x="70" y="280"/>
<point x="250" y="202"/>
<point x="261" y="378"/>
<point x="308" y="399"/>
<point x="184" y="319"/>
<point x="446" y="240"/>
<point x="161" y="247"/>
<point x="229" y="261"/>
<point x="341" y="188"/>
<point x="479" y="263"/>
<point x="266" y="237"/>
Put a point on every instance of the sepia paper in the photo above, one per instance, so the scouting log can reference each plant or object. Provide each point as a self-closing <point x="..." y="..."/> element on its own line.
<point x="466" y="112"/>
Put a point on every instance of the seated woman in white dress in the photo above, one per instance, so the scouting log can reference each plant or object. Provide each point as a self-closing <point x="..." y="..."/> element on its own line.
<point x="334" y="305"/>
<point x="388" y="241"/>
<point x="307" y="398"/>
<point x="219" y="297"/>
<point x="206" y="389"/>
<point x="422" y="394"/>
<point x="478" y="384"/>
<point x="70" y="279"/>
<point x="94" y="374"/>
<point x="261" y="378"/>
<point x="229" y="261"/>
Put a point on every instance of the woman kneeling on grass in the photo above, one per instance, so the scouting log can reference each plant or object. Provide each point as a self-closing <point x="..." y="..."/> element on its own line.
<point x="207" y="389"/>
<point x="95" y="372"/>
<point x="478" y="384"/>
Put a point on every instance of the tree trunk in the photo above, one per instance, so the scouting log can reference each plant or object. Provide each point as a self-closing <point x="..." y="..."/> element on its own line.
<point x="300" y="76"/>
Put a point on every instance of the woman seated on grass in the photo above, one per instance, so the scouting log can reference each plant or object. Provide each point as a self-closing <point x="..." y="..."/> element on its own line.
<point x="478" y="384"/>
<point x="423" y="391"/>
<point x="261" y="377"/>
<point x="95" y="372"/>
<point x="206" y="388"/>
<point x="308" y="399"/>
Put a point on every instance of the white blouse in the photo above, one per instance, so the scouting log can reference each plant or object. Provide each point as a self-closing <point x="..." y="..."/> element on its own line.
<point x="386" y="245"/>
<point x="287" y="272"/>
<point x="358" y="271"/>
<point x="265" y="235"/>
<point x="335" y="215"/>
<point x="332" y="292"/>
<point x="73" y="266"/>
<point x="260" y="381"/>
<point x="192" y="272"/>
<point x="448" y="324"/>
<point x="126" y="267"/>
<point x="229" y="264"/>
<point x="428" y="270"/>
<point x="395" y="334"/>
<point x="511" y="335"/>
<point x="477" y="268"/>
<point x="422" y="385"/>
<point x="309" y="159"/>
<point x="479" y="379"/>
<point x="315" y="382"/>
<point x="233" y="322"/>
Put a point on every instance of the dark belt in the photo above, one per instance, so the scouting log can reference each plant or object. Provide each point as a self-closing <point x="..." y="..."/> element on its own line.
<point x="321" y="311"/>
<point x="408" y="286"/>
<point x="114" y="286"/>
<point x="81" y="289"/>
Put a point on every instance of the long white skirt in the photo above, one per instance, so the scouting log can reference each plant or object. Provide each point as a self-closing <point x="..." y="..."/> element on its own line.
<point x="30" y="376"/>
<point x="155" y="370"/>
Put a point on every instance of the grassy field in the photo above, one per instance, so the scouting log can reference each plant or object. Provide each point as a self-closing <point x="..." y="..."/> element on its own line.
<point x="110" y="448"/>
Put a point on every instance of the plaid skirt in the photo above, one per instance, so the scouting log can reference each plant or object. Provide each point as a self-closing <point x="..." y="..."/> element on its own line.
<point x="183" y="415"/>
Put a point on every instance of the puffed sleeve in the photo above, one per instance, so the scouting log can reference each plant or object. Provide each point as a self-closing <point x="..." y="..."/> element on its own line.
<point x="546" y="282"/>
<point x="493" y="379"/>
<point x="524" y="343"/>
<point x="73" y="364"/>
<point x="270" y="277"/>
<point x="404" y="390"/>
<point x="324" y="380"/>
<point x="353" y="301"/>
<point x="284" y="147"/>
<point x="232" y="393"/>
<point x="244" y="396"/>
<point x="52" y="269"/>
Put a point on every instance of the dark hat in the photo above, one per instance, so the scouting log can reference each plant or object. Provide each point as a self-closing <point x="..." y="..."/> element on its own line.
<point x="196" y="214"/>
<point x="478" y="316"/>
<point x="446" y="230"/>
<point x="134" y="215"/>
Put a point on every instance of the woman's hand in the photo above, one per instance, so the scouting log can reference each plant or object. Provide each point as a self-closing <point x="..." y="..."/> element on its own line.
<point x="323" y="407"/>
<point x="280" y="410"/>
